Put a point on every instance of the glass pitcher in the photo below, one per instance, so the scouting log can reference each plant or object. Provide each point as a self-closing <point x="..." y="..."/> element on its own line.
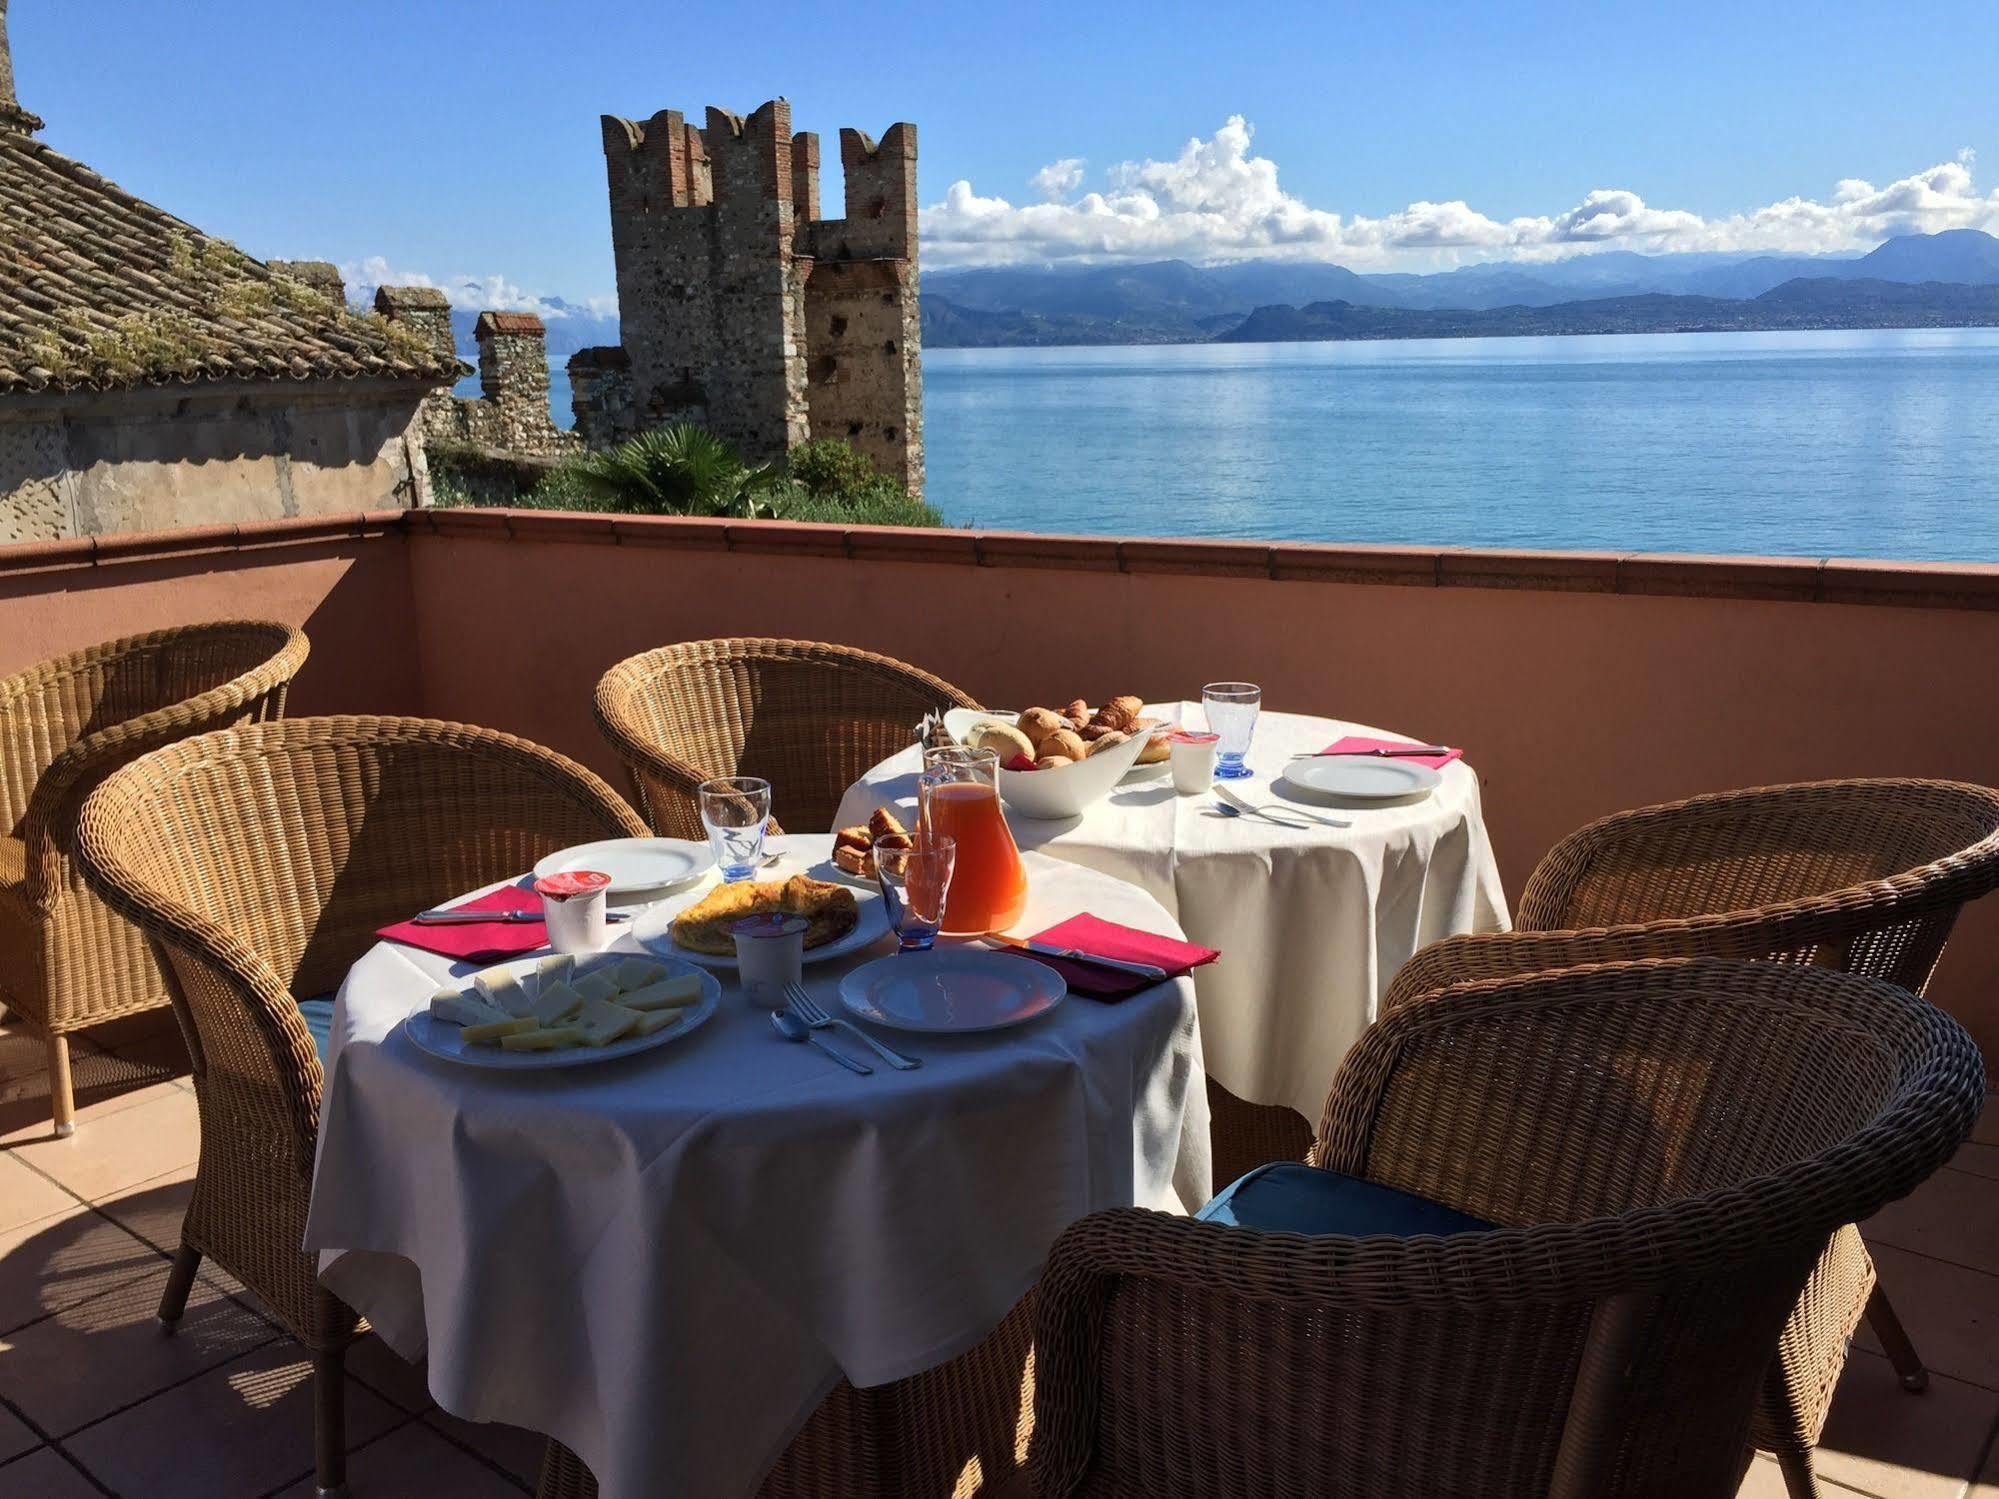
<point x="959" y="796"/>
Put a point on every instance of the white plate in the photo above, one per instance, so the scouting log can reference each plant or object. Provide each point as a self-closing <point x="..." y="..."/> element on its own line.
<point x="441" y="1038"/>
<point x="652" y="929"/>
<point x="952" y="989"/>
<point x="1369" y="778"/>
<point x="634" y="864"/>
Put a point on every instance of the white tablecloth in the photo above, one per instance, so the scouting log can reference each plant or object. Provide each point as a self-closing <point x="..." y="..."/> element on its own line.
<point x="1311" y="924"/>
<point x="668" y="1261"/>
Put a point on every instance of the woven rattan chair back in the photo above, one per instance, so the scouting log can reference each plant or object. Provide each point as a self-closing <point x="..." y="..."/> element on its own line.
<point x="1664" y="1147"/>
<point x="66" y="961"/>
<point x="260" y="861"/>
<point x="1866" y="876"/>
<point x="808" y="718"/>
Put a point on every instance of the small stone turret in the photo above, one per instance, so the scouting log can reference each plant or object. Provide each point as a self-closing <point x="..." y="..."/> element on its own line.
<point x="426" y="311"/>
<point x="323" y="276"/>
<point x="12" y="116"/>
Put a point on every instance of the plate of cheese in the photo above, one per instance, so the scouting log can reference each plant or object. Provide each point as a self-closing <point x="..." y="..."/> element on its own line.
<point x="694" y="925"/>
<point x="564" y="1011"/>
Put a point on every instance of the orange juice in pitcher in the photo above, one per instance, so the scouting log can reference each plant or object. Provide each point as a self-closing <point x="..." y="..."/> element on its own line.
<point x="960" y="799"/>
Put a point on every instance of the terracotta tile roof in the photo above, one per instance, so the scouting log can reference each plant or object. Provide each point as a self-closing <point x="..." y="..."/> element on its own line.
<point x="509" y="322"/>
<point x="101" y="291"/>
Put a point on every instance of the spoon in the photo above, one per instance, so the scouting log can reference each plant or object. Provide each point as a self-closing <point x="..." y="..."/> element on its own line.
<point x="792" y="1028"/>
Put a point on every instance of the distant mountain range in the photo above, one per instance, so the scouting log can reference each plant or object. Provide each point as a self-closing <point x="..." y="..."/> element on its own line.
<point x="1918" y="280"/>
<point x="1173" y="302"/>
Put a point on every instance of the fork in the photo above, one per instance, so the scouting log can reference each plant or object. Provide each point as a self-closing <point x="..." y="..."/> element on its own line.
<point x="808" y="1010"/>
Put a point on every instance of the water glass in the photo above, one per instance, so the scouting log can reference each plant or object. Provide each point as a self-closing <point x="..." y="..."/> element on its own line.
<point x="735" y="810"/>
<point x="1231" y="708"/>
<point x="914" y="880"/>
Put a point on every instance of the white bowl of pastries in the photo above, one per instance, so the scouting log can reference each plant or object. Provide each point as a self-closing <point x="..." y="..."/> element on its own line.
<point x="1054" y="762"/>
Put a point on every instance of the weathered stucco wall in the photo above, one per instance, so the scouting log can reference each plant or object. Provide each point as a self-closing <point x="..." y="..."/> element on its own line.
<point x="150" y="459"/>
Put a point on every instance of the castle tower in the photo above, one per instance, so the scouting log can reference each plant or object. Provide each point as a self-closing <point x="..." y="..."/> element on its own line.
<point x="742" y="310"/>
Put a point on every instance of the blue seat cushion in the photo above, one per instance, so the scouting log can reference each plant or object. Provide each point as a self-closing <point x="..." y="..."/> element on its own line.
<point x="318" y="1017"/>
<point x="1288" y="1198"/>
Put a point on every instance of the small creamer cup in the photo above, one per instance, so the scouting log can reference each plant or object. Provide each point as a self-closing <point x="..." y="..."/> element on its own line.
<point x="770" y="953"/>
<point x="575" y="905"/>
<point x="1193" y="759"/>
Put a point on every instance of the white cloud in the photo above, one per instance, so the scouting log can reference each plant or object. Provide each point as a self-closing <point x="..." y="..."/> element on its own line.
<point x="1058" y="179"/>
<point x="1219" y="200"/>
<point x="491" y="293"/>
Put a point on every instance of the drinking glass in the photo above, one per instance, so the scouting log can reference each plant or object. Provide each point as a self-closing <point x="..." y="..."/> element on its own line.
<point x="1231" y="708"/>
<point x="734" y="810"/>
<point x="959" y="794"/>
<point x="914" y="881"/>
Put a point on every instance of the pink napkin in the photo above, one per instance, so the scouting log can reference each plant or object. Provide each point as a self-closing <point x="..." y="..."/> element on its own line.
<point x="479" y="941"/>
<point x="1355" y="744"/>
<point x="1108" y="939"/>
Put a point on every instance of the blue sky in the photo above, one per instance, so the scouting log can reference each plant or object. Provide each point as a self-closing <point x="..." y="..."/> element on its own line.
<point x="459" y="138"/>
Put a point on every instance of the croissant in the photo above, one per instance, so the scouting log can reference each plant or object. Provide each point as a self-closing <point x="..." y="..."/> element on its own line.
<point x="1078" y="713"/>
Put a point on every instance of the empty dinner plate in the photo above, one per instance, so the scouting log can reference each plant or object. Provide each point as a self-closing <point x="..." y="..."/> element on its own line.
<point x="634" y="864"/>
<point x="1369" y="778"/>
<point x="952" y="989"/>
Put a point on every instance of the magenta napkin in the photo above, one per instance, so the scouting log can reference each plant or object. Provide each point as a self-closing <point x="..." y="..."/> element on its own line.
<point x="479" y="941"/>
<point x="1110" y="939"/>
<point x="1360" y="744"/>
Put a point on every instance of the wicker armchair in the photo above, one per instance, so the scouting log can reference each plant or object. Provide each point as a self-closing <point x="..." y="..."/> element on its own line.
<point x="1866" y="876"/>
<point x="66" y="960"/>
<point x="1664" y="1148"/>
<point x="260" y="862"/>
<point x="808" y="718"/>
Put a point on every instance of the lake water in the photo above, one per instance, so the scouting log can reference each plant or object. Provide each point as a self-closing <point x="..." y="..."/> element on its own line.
<point x="1882" y="444"/>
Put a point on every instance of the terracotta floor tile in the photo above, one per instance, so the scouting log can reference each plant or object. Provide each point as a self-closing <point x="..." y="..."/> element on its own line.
<point x="1986" y="1130"/>
<point x="1953" y="1216"/>
<point x="27" y="1196"/>
<point x="1884" y="1441"/>
<point x="516" y="1450"/>
<point x="1987" y="1486"/>
<point x="88" y="1360"/>
<point x="24" y="1055"/>
<point x="16" y="1437"/>
<point x="384" y="1371"/>
<point x="56" y="1262"/>
<point x="44" y="1474"/>
<point x="101" y="1083"/>
<point x="392" y="1464"/>
<point x="1977" y="1158"/>
<point x="1951" y="1313"/>
<point x="120" y="1150"/>
<point x="239" y="1430"/>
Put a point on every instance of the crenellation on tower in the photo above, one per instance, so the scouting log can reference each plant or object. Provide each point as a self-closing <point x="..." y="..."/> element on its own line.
<point x="742" y="309"/>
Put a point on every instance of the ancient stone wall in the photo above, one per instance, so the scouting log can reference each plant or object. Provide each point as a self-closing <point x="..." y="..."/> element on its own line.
<point x="323" y="276"/>
<point x="511" y="413"/>
<point x="91" y="464"/>
<point x="600" y="393"/>
<point x="744" y="311"/>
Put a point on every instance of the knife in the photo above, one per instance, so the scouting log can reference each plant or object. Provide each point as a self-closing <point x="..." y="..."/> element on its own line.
<point x="450" y="916"/>
<point x="1075" y="955"/>
<point x="1384" y="754"/>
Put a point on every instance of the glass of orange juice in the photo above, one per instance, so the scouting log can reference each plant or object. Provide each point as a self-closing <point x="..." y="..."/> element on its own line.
<point x="959" y="794"/>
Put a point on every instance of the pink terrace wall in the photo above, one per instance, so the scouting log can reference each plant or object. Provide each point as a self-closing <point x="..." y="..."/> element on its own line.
<point x="1578" y="683"/>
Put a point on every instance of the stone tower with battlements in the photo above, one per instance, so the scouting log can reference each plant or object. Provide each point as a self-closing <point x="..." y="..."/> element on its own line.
<point x="743" y="310"/>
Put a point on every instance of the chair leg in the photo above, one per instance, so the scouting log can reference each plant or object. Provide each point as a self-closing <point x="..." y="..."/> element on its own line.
<point x="180" y="1280"/>
<point x="329" y="1431"/>
<point x="1895" y="1342"/>
<point x="62" y="1099"/>
<point x="1800" y="1482"/>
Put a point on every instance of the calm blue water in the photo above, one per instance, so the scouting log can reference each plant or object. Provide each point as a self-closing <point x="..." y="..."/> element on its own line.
<point x="1882" y="444"/>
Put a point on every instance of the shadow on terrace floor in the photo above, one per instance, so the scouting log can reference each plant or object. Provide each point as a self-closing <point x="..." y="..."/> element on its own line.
<point x="94" y="1401"/>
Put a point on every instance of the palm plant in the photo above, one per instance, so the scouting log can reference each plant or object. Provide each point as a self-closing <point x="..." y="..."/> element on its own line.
<point x="682" y="470"/>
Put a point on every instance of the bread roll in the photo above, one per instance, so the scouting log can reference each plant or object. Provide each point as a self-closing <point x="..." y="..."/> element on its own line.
<point x="1036" y="724"/>
<point x="1064" y="742"/>
<point x="1002" y="738"/>
<point x="1110" y="740"/>
<point x="1078" y="713"/>
<point x="1054" y="762"/>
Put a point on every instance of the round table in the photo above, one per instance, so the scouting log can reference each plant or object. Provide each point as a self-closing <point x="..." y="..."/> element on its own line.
<point x="1312" y="920"/>
<point x="666" y="1262"/>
